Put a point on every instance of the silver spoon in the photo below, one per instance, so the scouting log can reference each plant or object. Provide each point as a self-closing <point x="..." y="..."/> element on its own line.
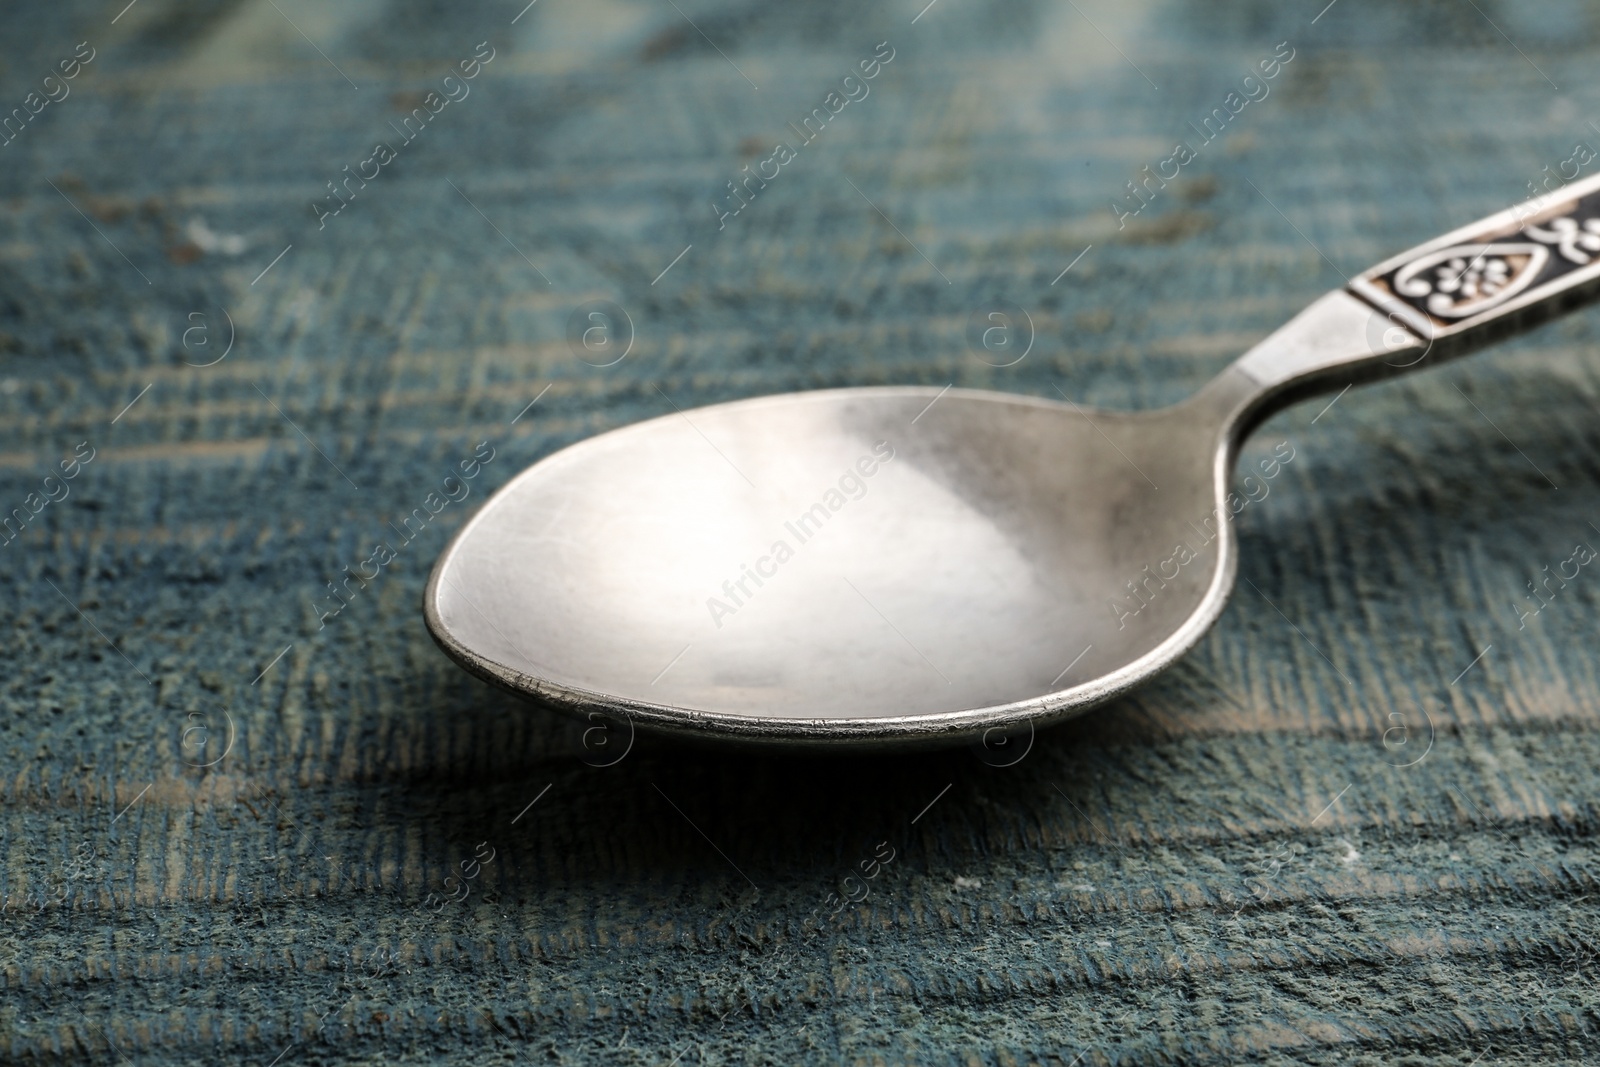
<point x="893" y="565"/>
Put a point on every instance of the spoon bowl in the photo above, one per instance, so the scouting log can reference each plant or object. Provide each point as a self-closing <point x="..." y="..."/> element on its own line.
<point x="866" y="563"/>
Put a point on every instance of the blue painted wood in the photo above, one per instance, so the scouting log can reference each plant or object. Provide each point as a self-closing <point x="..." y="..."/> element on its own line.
<point x="1346" y="830"/>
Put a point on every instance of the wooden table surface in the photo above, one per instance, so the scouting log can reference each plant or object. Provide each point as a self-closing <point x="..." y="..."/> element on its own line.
<point x="1356" y="825"/>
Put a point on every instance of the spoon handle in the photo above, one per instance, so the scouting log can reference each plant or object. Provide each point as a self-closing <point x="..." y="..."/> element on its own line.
<point x="1506" y="273"/>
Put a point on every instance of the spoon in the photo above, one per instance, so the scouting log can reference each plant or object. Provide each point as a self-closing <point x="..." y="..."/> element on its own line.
<point x="894" y="565"/>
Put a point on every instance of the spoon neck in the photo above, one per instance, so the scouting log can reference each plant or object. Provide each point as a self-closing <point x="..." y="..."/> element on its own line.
<point x="1336" y="332"/>
<point x="1337" y="341"/>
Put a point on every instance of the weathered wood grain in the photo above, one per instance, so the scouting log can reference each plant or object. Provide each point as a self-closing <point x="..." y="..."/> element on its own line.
<point x="1321" y="839"/>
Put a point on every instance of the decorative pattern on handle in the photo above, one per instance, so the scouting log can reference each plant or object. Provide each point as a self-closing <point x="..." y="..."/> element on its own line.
<point x="1505" y="263"/>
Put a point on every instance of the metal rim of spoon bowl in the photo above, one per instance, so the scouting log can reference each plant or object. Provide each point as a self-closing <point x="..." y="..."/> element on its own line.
<point x="887" y="731"/>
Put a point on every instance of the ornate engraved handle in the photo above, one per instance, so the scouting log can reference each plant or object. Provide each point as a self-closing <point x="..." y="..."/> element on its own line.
<point x="1506" y="272"/>
<point x="1442" y="299"/>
